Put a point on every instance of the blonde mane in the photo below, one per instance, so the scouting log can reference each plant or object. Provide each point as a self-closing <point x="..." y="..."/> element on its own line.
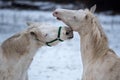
<point x="99" y="58"/>
<point x="98" y="38"/>
<point x="15" y="44"/>
<point x="95" y="37"/>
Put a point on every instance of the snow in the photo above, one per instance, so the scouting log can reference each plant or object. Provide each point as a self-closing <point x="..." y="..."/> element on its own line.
<point x="60" y="62"/>
<point x="57" y="63"/>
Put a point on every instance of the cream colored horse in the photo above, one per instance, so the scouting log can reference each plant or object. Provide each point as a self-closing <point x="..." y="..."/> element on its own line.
<point x="17" y="52"/>
<point x="99" y="61"/>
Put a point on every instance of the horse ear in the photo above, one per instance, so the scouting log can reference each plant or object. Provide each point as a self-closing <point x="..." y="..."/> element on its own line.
<point x="93" y="8"/>
<point x="37" y="35"/>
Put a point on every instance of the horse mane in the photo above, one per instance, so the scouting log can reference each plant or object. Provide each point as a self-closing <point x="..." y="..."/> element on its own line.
<point x="15" y="44"/>
<point x="98" y="38"/>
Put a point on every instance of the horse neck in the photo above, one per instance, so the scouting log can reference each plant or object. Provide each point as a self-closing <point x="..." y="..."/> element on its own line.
<point x="94" y="44"/>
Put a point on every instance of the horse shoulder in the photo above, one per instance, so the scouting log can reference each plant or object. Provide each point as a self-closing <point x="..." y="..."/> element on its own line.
<point x="108" y="66"/>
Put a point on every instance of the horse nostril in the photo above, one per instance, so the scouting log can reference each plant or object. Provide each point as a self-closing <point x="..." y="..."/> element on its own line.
<point x="67" y="33"/>
<point x="56" y="12"/>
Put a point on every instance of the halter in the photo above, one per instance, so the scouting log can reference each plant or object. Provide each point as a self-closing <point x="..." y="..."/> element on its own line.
<point x="58" y="38"/>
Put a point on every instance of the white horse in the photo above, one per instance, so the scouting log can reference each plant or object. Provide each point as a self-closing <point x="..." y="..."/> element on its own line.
<point x="17" y="52"/>
<point x="99" y="61"/>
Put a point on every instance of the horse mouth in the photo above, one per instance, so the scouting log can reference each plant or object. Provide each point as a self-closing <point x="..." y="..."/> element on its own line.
<point x="70" y="37"/>
<point x="58" y="18"/>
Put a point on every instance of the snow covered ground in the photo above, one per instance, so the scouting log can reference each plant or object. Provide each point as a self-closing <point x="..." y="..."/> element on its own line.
<point x="61" y="62"/>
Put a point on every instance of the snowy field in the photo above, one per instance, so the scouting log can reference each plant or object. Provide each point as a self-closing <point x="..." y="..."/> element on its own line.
<point x="61" y="62"/>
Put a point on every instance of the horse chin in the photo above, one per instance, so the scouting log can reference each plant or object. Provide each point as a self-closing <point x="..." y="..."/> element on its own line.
<point x="68" y="25"/>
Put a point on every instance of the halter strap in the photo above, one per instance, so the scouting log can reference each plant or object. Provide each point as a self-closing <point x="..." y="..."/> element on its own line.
<point x="58" y="37"/>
